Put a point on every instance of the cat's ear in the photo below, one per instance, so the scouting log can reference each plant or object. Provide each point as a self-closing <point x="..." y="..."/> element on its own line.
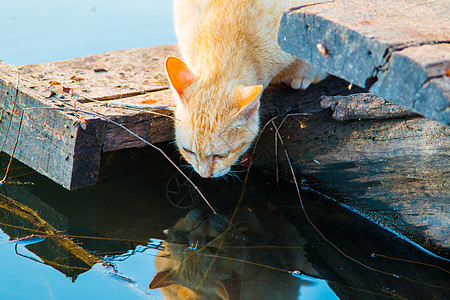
<point x="180" y="76"/>
<point x="247" y="99"/>
<point x="162" y="279"/>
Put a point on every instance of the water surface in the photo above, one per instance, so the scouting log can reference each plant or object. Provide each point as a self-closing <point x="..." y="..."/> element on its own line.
<point x="121" y="221"/>
<point x="50" y="30"/>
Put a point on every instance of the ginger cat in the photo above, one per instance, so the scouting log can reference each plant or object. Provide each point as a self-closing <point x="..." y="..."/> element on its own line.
<point x="204" y="259"/>
<point x="230" y="54"/>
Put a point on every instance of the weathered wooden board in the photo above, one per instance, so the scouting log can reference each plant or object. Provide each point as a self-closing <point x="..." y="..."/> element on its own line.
<point x="399" y="50"/>
<point x="154" y="126"/>
<point x="396" y="171"/>
<point x="133" y="76"/>
<point x="50" y="140"/>
<point x="108" y="76"/>
<point x="65" y="127"/>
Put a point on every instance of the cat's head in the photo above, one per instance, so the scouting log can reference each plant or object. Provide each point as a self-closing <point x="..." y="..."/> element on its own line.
<point x="215" y="120"/>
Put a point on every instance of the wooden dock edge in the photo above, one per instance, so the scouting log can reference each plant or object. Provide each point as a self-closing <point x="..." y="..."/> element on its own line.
<point x="396" y="172"/>
<point x="41" y="134"/>
<point x="68" y="119"/>
<point x="399" y="50"/>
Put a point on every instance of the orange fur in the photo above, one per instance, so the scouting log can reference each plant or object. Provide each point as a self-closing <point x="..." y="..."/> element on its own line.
<point x="225" y="263"/>
<point x="231" y="53"/>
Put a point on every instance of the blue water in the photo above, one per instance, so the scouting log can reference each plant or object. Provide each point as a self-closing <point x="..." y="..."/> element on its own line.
<point x="51" y="30"/>
<point x="23" y="278"/>
<point x="128" y="205"/>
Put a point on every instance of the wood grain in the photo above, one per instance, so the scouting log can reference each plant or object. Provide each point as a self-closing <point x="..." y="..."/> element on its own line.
<point x="397" y="49"/>
<point x="65" y="126"/>
<point x="395" y="172"/>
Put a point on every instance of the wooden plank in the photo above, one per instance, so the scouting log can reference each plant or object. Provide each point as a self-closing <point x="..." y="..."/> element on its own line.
<point x="426" y="84"/>
<point x="64" y="129"/>
<point x="395" y="172"/>
<point x="50" y="140"/>
<point x="154" y="126"/>
<point x="134" y="76"/>
<point x="107" y="76"/>
<point x="397" y="49"/>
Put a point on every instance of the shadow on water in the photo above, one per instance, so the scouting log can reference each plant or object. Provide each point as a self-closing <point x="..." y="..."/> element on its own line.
<point x="264" y="249"/>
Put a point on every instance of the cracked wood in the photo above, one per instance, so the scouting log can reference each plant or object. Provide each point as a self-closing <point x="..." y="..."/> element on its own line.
<point x="398" y="49"/>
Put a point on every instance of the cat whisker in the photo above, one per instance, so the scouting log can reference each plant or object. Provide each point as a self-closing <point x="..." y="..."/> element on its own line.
<point x="186" y="166"/>
<point x="225" y="177"/>
<point x="240" y="171"/>
<point x="233" y="175"/>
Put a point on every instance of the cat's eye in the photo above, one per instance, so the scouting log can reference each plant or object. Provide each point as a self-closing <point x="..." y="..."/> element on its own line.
<point x="188" y="151"/>
<point x="220" y="156"/>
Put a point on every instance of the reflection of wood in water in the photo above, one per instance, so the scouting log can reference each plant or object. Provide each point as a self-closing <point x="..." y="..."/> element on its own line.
<point x="204" y="258"/>
<point x="59" y="250"/>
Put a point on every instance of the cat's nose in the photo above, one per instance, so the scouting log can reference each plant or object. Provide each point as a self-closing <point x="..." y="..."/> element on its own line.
<point x="205" y="172"/>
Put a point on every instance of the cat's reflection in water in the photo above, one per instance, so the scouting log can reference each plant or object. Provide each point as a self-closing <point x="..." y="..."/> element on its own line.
<point x="205" y="258"/>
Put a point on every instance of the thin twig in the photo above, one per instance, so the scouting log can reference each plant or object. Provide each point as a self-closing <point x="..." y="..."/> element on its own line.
<point x="158" y="149"/>
<point x="325" y="238"/>
<point x="127" y="130"/>
<point x="125" y="106"/>
<point x="14" y="148"/>
<point x="12" y="112"/>
<point x="410" y="261"/>
<point x="140" y="106"/>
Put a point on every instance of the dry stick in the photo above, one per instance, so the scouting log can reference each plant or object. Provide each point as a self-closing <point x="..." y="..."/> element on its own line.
<point x="410" y="261"/>
<point x="132" y="107"/>
<point x="244" y="184"/>
<point x="123" y="127"/>
<point x="212" y="262"/>
<point x="153" y="146"/>
<point x="49" y="262"/>
<point x="7" y="131"/>
<point x="12" y="113"/>
<point x="215" y="256"/>
<point x="326" y="239"/>
<point x="40" y="232"/>
<point x="276" y="142"/>
<point x="140" y="106"/>
<point x="31" y="216"/>
<point x="14" y="149"/>
<point x="276" y="161"/>
<point x="148" y="143"/>
<point x="164" y="154"/>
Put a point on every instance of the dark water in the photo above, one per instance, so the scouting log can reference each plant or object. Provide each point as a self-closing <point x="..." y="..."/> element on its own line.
<point x="121" y="221"/>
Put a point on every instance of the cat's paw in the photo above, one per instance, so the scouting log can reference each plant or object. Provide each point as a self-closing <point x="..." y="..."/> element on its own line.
<point x="300" y="83"/>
